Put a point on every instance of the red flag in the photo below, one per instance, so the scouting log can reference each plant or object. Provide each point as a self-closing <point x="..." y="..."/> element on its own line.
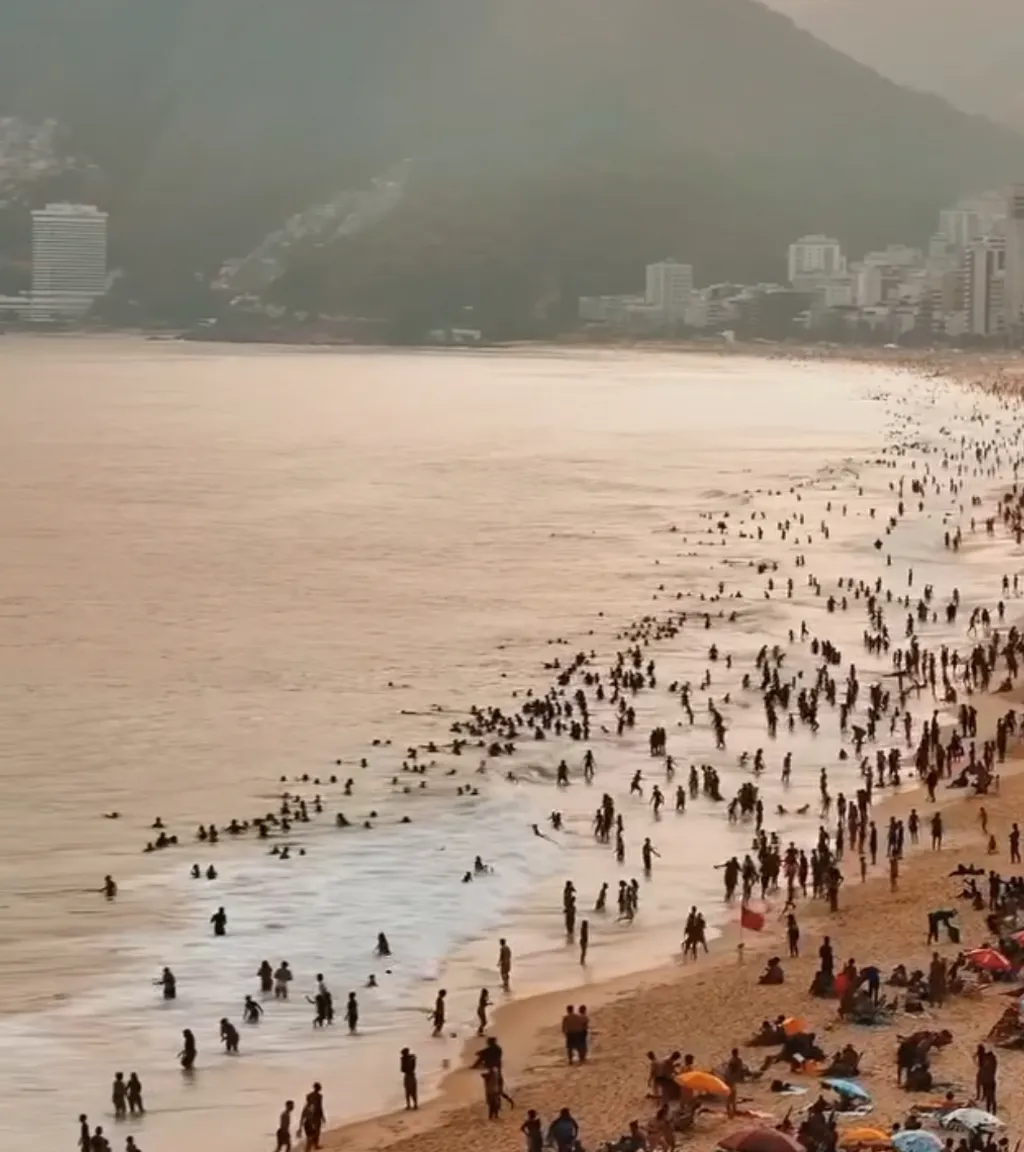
<point x="754" y="921"/>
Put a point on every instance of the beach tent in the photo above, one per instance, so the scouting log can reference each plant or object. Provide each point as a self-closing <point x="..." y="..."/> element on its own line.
<point x="971" y="1120"/>
<point x="760" y="1140"/>
<point x="703" y="1083"/>
<point x="864" y="1138"/>
<point x="988" y="960"/>
<point x="916" y="1140"/>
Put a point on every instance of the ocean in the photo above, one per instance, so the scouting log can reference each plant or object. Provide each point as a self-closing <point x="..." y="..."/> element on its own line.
<point x="228" y="567"/>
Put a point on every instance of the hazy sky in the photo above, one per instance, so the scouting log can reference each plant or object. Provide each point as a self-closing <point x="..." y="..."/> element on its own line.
<point x="966" y="50"/>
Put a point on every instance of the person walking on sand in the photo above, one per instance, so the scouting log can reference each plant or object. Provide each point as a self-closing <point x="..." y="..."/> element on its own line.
<point x="437" y="1017"/>
<point x="482" y="1004"/>
<point x="793" y="936"/>
<point x="284" y="1128"/>
<point x="410" y="1085"/>
<point x="937" y="832"/>
<point x="504" y="963"/>
<point x="533" y="1131"/>
<point x="313" y="1117"/>
<point x="84" y="1135"/>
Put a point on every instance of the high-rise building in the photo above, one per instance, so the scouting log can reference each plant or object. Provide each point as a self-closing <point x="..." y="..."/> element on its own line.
<point x="669" y="288"/>
<point x="985" y="286"/>
<point x="69" y="260"/>
<point x="1013" y="229"/>
<point x="960" y="225"/>
<point x="815" y="256"/>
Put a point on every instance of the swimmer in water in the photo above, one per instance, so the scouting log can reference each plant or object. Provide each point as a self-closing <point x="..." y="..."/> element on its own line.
<point x="251" y="1011"/>
<point x="383" y="947"/>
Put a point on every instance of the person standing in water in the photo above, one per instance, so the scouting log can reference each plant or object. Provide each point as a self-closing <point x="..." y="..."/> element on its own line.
<point x="266" y="977"/>
<point x="352" y="1013"/>
<point x="482" y="1004"/>
<point x="219" y="920"/>
<point x="584" y="941"/>
<point x="119" y="1096"/>
<point x="504" y="963"/>
<point x="135" y="1106"/>
<point x="188" y="1052"/>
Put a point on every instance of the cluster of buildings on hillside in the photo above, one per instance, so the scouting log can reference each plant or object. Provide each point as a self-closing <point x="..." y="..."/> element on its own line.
<point x="969" y="284"/>
<point x="69" y="266"/>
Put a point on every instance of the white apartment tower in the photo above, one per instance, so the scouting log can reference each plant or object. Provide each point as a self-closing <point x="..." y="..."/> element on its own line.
<point x="1014" y="285"/>
<point x="815" y="257"/>
<point x="669" y="288"/>
<point x="985" y="285"/>
<point x="69" y="260"/>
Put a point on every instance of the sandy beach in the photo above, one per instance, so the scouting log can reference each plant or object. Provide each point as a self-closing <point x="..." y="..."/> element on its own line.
<point x="380" y="607"/>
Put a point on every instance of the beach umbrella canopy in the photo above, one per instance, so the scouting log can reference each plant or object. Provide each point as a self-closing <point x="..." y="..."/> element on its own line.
<point x="760" y="1140"/>
<point x="988" y="960"/>
<point x="916" y="1140"/>
<point x="864" y="1138"/>
<point x="971" y="1120"/>
<point x="703" y="1083"/>
<point x="848" y="1088"/>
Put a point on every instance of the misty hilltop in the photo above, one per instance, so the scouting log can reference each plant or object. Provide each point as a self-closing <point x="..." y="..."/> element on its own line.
<point x="965" y="50"/>
<point x="556" y="145"/>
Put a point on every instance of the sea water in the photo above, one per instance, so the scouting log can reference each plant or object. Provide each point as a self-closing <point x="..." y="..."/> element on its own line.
<point x="228" y="567"/>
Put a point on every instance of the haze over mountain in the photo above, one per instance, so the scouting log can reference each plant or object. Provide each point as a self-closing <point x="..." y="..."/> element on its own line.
<point x="965" y="50"/>
<point x="557" y="144"/>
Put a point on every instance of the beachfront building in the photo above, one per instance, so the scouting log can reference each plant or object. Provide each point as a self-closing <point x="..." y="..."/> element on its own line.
<point x="69" y="260"/>
<point x="985" y="286"/>
<point x="1013" y="230"/>
<point x="815" y="258"/>
<point x="669" y="289"/>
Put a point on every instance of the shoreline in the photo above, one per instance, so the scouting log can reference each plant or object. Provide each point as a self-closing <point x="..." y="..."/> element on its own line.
<point x="528" y="1029"/>
<point x="360" y="1070"/>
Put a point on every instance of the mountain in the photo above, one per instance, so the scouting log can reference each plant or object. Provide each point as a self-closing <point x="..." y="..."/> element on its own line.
<point x="965" y="50"/>
<point x="556" y="144"/>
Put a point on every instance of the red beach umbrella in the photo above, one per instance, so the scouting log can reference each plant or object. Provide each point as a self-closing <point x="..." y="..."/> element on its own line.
<point x="988" y="960"/>
<point x="760" y="1140"/>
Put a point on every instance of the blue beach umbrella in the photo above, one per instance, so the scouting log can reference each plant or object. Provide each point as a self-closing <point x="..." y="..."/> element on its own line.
<point x="848" y="1088"/>
<point x="916" y="1141"/>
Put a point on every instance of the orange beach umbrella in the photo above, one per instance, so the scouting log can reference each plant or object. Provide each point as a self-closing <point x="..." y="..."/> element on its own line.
<point x="703" y="1083"/>
<point x="864" y="1138"/>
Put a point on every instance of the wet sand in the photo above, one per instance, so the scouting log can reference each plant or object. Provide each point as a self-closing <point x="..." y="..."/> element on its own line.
<point x="252" y="568"/>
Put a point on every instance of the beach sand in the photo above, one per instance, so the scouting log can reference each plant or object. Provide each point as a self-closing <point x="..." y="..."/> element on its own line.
<point x="708" y="1007"/>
